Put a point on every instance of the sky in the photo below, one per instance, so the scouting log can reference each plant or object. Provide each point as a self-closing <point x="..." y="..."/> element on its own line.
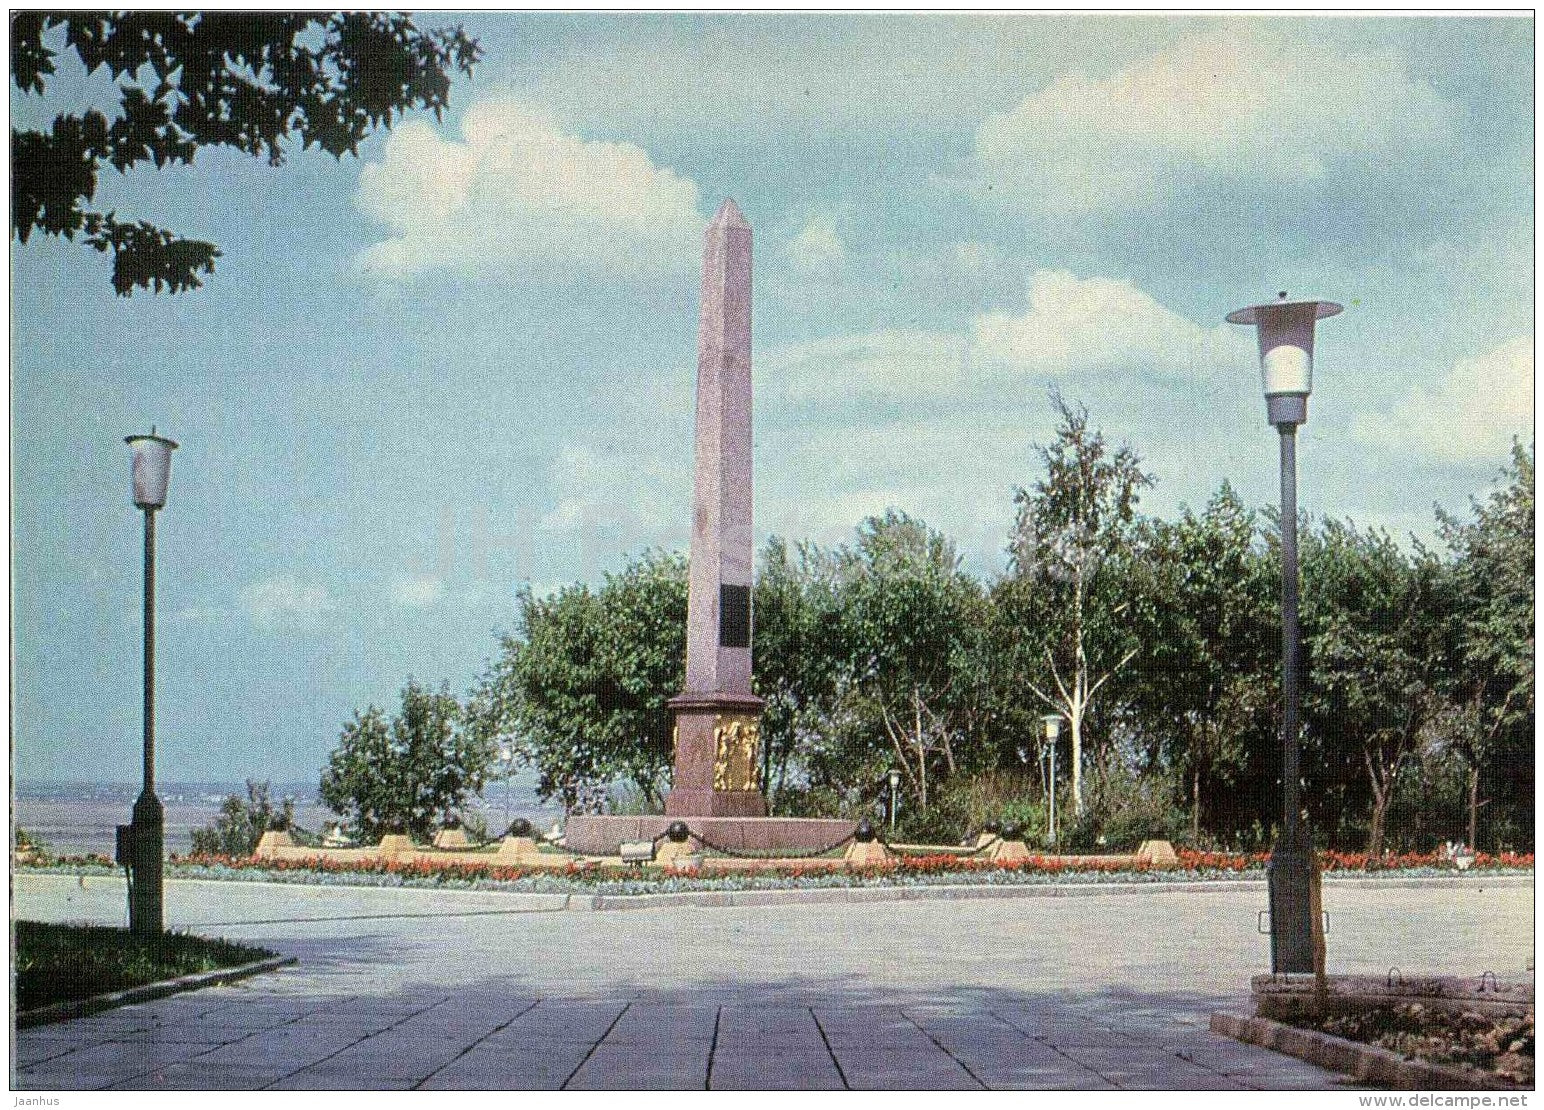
<point x="464" y="362"/>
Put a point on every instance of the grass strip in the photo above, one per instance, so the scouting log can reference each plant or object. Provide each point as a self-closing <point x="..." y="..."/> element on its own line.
<point x="65" y="963"/>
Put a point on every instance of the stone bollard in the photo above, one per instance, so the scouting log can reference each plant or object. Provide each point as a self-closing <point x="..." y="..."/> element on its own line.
<point x="518" y="850"/>
<point x="861" y="853"/>
<point x="270" y="841"/>
<point x="395" y="846"/>
<point x="674" y="855"/>
<point x="1158" y="853"/>
<point x="452" y="838"/>
<point x="1010" y="851"/>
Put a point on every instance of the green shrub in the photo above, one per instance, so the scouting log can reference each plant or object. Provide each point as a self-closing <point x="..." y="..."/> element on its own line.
<point x="243" y="821"/>
<point x="1122" y="810"/>
<point x="628" y="799"/>
<point x="965" y="804"/>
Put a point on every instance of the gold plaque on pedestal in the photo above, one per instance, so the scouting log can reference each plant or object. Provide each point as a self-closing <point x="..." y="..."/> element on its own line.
<point x="738" y="742"/>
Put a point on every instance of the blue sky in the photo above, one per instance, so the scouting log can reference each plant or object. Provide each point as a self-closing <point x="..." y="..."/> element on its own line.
<point x="465" y="361"/>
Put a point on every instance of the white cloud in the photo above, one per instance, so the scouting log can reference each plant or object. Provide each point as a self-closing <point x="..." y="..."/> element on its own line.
<point x="200" y="614"/>
<point x="1070" y="326"/>
<point x="1470" y="415"/>
<point x="417" y="591"/>
<point x="1073" y="325"/>
<point x="284" y="601"/>
<point x="633" y="487"/>
<point x="818" y="250"/>
<point x="517" y="193"/>
<point x="1239" y="104"/>
<point x="888" y="363"/>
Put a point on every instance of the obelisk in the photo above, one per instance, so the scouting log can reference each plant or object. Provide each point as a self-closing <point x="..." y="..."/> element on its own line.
<point x="717" y="718"/>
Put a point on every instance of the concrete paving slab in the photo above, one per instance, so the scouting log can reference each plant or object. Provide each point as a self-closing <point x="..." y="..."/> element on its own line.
<point x="750" y="972"/>
<point x="489" y="1068"/>
<point x="388" y="1059"/>
<point x="309" y="1080"/>
<point x="803" y="1070"/>
<point x="194" y="1075"/>
<point x="72" y="1080"/>
<point x="650" y="1024"/>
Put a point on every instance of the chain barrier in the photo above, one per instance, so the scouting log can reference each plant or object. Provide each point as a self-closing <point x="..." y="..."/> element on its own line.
<point x="959" y="853"/>
<point x="741" y="854"/>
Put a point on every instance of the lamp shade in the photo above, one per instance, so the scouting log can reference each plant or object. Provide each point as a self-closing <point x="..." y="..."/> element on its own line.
<point x="152" y="468"/>
<point x="1052" y="722"/>
<point x="1285" y="332"/>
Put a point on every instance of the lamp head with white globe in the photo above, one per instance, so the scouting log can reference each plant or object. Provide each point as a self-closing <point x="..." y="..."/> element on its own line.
<point x="152" y="458"/>
<point x="1285" y="330"/>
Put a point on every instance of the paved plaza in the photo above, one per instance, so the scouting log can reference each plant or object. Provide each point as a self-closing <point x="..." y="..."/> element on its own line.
<point x="403" y="989"/>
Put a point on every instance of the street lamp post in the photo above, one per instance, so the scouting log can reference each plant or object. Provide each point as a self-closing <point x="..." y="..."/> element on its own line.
<point x="895" y="785"/>
<point x="1285" y="330"/>
<point x="507" y="762"/>
<point x="1052" y="722"/>
<point x="152" y="460"/>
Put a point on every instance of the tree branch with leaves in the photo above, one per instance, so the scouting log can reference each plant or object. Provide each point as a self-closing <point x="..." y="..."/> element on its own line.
<point x="250" y="81"/>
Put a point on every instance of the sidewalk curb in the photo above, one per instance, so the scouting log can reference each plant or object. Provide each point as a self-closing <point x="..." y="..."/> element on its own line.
<point x="495" y="901"/>
<point x="718" y="899"/>
<point x="80" y="1007"/>
<point x="1364" y="1062"/>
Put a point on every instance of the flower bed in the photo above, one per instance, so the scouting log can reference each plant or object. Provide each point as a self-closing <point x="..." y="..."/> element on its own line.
<point x="473" y="873"/>
<point x="1499" y="1046"/>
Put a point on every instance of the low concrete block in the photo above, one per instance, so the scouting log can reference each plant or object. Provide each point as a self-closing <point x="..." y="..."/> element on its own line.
<point x="521" y="851"/>
<point x="1010" y="851"/>
<point x="270" y="841"/>
<point x="866" y="855"/>
<point x="682" y="857"/>
<point x="1159" y="853"/>
<point x="451" y="838"/>
<point x="395" y="846"/>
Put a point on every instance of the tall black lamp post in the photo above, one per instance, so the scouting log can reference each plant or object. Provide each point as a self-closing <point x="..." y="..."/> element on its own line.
<point x="1285" y="329"/>
<point x="152" y="471"/>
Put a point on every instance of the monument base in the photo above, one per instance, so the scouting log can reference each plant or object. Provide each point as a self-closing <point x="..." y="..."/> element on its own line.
<point x="603" y="835"/>
<point x="717" y="756"/>
<point x="683" y="802"/>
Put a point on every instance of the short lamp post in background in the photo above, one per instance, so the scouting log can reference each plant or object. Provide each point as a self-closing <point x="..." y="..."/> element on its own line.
<point x="152" y="456"/>
<point x="506" y="760"/>
<point x="895" y="785"/>
<point x="1285" y="329"/>
<point x="1052" y="722"/>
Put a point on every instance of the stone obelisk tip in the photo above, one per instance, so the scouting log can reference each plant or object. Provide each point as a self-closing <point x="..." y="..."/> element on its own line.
<point x="729" y="215"/>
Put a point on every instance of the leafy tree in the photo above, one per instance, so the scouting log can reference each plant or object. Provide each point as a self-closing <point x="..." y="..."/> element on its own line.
<point x="1374" y="633"/>
<point x="1205" y="684"/>
<point x="798" y="657"/>
<point x="185" y="81"/>
<point x="580" y="689"/>
<point x="243" y="821"/>
<point x="1065" y="595"/>
<point x="913" y="625"/>
<point x="408" y="776"/>
<point x="1494" y="576"/>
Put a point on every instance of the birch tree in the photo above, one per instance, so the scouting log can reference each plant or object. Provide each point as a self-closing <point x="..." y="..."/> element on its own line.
<point x="1071" y="531"/>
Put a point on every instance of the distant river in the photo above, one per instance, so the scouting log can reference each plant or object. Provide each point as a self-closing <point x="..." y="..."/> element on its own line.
<point x="80" y="818"/>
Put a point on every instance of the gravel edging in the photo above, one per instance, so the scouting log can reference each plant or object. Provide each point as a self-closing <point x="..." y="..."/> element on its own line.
<point x="1364" y="1062"/>
<point x="80" y="1007"/>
